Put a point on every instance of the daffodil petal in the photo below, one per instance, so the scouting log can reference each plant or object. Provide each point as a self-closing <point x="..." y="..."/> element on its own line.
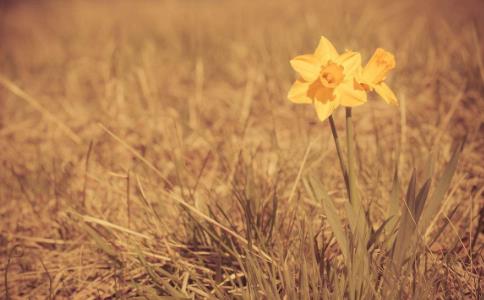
<point x="349" y="96"/>
<point x="299" y="92"/>
<point x="386" y="93"/>
<point x="325" y="109"/>
<point x="308" y="66"/>
<point x="325" y="51"/>
<point x="351" y="63"/>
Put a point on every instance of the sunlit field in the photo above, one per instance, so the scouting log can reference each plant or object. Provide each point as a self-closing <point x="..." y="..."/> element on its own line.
<point x="148" y="150"/>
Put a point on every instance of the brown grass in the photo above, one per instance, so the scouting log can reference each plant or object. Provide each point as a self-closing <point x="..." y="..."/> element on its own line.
<point x="147" y="148"/>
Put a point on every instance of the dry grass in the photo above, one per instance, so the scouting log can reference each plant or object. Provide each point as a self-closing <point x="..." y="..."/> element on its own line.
<point x="148" y="149"/>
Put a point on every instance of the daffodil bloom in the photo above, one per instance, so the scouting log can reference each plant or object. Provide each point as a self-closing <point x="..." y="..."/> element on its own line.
<point x="375" y="72"/>
<point x="327" y="79"/>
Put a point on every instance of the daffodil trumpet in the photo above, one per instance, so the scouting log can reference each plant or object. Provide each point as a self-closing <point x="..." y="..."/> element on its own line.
<point x="374" y="73"/>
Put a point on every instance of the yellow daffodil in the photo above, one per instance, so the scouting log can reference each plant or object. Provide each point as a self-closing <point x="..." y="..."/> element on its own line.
<point x="375" y="72"/>
<point x="327" y="79"/>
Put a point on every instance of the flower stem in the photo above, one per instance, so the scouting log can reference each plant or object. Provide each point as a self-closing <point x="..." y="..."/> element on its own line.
<point x="351" y="156"/>
<point x="360" y="224"/>
<point x="339" y="152"/>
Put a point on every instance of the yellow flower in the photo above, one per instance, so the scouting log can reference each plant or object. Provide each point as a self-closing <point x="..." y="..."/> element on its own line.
<point x="327" y="79"/>
<point x="375" y="72"/>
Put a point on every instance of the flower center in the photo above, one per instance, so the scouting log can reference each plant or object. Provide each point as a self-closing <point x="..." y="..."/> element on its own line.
<point x="331" y="75"/>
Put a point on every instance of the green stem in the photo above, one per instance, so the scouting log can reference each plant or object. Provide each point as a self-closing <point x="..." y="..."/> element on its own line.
<point x="361" y="226"/>
<point x="339" y="152"/>
<point x="351" y="156"/>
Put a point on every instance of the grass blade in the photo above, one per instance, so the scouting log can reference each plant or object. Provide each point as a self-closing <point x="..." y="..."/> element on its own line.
<point x="435" y="201"/>
<point x="319" y="194"/>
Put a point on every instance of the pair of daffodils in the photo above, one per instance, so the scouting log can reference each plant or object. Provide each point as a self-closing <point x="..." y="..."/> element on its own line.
<point x="328" y="79"/>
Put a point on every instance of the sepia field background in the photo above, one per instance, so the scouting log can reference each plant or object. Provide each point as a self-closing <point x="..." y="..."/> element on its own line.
<point x="147" y="147"/>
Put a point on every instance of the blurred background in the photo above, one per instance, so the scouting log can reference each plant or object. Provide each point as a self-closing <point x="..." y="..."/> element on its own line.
<point x="185" y="94"/>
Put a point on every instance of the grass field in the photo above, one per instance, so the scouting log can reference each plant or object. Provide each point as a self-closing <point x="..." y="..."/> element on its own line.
<point x="148" y="151"/>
